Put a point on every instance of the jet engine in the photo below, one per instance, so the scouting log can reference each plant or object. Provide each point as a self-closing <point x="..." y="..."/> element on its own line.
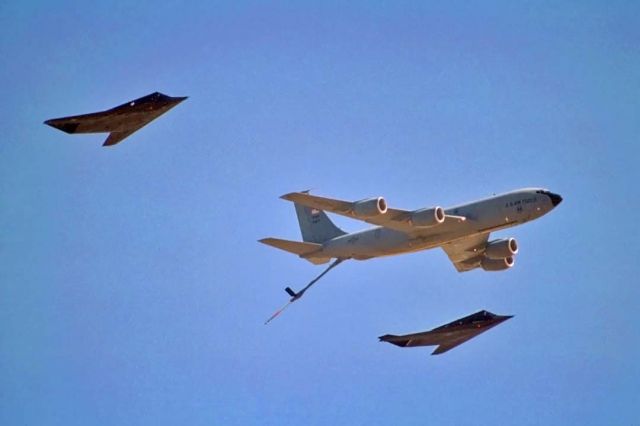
<point x="497" y="264"/>
<point x="369" y="207"/>
<point x="500" y="249"/>
<point x="425" y="218"/>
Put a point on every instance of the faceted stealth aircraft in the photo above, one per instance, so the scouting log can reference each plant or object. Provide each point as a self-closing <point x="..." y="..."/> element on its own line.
<point x="120" y="121"/>
<point x="462" y="231"/>
<point x="450" y="335"/>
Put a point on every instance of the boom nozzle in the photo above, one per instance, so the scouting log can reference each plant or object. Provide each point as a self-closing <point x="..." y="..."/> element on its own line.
<point x="295" y="296"/>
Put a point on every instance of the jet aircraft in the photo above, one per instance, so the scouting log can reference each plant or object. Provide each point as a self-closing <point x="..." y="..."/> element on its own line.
<point x="449" y="335"/>
<point x="462" y="231"/>
<point x="120" y="121"/>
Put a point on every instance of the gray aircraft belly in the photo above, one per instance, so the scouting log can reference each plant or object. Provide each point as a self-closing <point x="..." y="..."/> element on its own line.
<point x="369" y="243"/>
<point x="378" y="242"/>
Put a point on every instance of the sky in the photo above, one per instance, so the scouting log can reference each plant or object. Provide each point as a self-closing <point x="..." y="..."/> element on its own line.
<point x="132" y="286"/>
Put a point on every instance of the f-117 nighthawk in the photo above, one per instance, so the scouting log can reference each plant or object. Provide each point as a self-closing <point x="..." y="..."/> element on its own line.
<point x="120" y="121"/>
<point x="449" y="335"/>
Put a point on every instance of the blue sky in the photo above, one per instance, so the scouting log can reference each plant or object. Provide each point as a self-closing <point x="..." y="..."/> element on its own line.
<point x="132" y="288"/>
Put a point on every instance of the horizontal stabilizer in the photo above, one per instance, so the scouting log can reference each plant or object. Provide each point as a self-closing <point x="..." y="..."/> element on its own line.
<point x="295" y="247"/>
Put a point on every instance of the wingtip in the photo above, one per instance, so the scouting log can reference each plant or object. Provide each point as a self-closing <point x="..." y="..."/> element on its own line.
<point x="440" y="349"/>
<point x="394" y="340"/>
<point x="63" y="124"/>
<point x="51" y="123"/>
<point x="387" y="338"/>
<point x="117" y="137"/>
<point x="290" y="195"/>
<point x="287" y="196"/>
<point x="111" y="140"/>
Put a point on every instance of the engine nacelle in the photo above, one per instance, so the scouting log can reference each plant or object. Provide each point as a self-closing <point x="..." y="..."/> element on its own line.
<point x="497" y="264"/>
<point x="500" y="249"/>
<point x="425" y="218"/>
<point x="370" y="207"/>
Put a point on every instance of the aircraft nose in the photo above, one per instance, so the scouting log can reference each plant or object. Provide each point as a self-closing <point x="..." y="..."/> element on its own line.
<point x="555" y="199"/>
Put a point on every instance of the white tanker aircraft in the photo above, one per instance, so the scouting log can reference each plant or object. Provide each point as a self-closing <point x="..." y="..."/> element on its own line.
<point x="462" y="231"/>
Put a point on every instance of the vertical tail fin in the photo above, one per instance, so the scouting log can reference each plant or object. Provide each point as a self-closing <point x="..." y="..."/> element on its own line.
<point x="315" y="225"/>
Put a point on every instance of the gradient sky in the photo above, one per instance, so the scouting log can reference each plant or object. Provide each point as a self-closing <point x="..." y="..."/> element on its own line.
<point x="132" y="288"/>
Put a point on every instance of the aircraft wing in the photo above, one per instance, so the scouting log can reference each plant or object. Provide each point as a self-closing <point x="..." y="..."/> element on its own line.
<point x="444" y="347"/>
<point x="393" y="218"/>
<point x="444" y="343"/>
<point x="115" y="137"/>
<point x="466" y="253"/>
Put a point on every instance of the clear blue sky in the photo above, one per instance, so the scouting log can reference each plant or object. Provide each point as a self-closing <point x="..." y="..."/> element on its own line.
<point x="132" y="288"/>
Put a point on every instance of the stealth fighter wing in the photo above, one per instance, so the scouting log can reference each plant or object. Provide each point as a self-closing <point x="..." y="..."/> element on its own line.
<point x="449" y="335"/>
<point x="120" y="121"/>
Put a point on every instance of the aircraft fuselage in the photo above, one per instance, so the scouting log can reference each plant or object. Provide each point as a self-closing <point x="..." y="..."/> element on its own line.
<point x="482" y="216"/>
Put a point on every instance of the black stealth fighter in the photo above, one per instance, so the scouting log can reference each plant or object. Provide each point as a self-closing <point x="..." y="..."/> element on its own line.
<point x="450" y="335"/>
<point x="120" y="121"/>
